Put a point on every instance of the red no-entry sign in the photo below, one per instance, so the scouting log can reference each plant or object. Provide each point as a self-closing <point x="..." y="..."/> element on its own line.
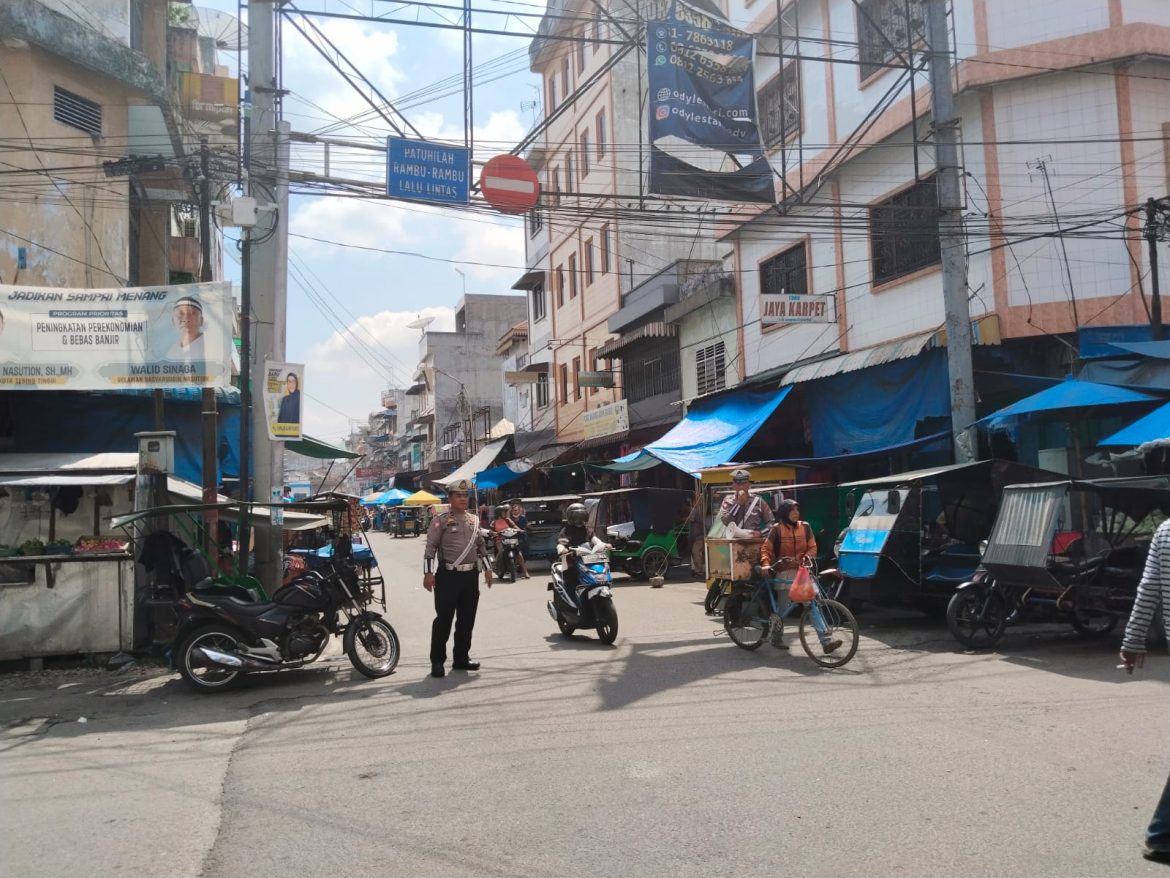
<point x="509" y="184"/>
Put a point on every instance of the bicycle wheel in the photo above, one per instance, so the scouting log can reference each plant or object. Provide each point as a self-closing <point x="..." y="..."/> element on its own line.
<point x="839" y="625"/>
<point x="738" y="618"/>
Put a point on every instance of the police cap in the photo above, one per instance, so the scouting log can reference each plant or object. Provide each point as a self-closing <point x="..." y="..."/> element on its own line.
<point x="460" y="487"/>
<point x="741" y="475"/>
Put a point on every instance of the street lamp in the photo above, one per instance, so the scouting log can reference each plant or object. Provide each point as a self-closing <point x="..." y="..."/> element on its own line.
<point x="459" y="272"/>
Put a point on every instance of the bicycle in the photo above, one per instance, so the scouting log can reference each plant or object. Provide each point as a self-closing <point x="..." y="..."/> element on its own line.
<point x="751" y="615"/>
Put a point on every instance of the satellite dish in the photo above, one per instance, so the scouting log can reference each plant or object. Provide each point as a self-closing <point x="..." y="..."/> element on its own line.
<point x="227" y="30"/>
<point x="422" y="323"/>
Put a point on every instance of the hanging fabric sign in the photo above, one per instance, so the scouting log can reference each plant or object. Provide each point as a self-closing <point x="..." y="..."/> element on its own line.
<point x="58" y="338"/>
<point x="704" y="137"/>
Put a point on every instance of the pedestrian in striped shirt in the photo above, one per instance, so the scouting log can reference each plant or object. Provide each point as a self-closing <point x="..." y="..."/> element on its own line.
<point x="1154" y="589"/>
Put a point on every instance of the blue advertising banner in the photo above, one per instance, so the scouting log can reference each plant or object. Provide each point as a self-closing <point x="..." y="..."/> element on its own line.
<point x="702" y="93"/>
<point x="421" y="171"/>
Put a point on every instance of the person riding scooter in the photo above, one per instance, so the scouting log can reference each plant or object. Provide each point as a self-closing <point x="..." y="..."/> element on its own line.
<point x="576" y="532"/>
<point x="503" y="522"/>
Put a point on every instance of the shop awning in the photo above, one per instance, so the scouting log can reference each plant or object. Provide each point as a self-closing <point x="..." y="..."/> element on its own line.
<point x="1151" y="431"/>
<point x="481" y="460"/>
<point x="711" y="434"/>
<point x="501" y="475"/>
<point x="315" y="448"/>
<point x="1069" y="394"/>
<point x="851" y="362"/>
<point x="610" y="349"/>
<point x="56" y="480"/>
<point x="415" y="389"/>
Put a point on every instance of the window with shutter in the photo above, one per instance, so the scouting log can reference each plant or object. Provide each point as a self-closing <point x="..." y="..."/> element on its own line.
<point x="903" y="232"/>
<point x="785" y="272"/>
<point x="779" y="102"/>
<point x="886" y="28"/>
<point x="711" y="368"/>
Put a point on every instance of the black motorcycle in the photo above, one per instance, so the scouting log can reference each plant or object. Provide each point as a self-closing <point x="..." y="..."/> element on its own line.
<point x="216" y="637"/>
<point x="507" y="548"/>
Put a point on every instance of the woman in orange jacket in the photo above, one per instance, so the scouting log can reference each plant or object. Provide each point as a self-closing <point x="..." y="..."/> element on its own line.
<point x="785" y="547"/>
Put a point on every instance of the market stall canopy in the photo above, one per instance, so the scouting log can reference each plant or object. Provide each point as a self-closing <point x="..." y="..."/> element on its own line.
<point x="503" y="427"/>
<point x="392" y="497"/>
<point x="711" y="434"/>
<point x="1151" y="431"/>
<point x="1069" y="394"/>
<point x="480" y="461"/>
<point x="315" y="448"/>
<point x="501" y="475"/>
<point x="185" y="500"/>
<point x="421" y="498"/>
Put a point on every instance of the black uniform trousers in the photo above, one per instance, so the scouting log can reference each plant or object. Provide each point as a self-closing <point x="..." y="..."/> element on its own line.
<point x="456" y="599"/>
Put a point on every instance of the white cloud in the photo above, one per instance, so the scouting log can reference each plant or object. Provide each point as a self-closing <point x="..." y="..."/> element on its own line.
<point x="308" y="75"/>
<point x="496" y="245"/>
<point x="350" y="383"/>
<point x="367" y="223"/>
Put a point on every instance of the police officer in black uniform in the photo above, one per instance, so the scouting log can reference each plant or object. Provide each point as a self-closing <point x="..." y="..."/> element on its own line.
<point x="454" y="554"/>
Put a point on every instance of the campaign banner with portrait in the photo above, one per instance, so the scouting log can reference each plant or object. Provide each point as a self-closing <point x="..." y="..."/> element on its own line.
<point x="123" y="338"/>
<point x="704" y="138"/>
<point x="282" y="399"/>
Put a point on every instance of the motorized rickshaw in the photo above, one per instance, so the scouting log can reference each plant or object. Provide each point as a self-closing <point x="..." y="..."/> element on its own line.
<point x="1070" y="551"/>
<point x="647" y="527"/>
<point x="914" y="537"/>
<point x="407" y="521"/>
<point x="546" y="516"/>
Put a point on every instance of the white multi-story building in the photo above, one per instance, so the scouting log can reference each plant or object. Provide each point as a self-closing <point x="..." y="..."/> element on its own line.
<point x="600" y="246"/>
<point x="1061" y="114"/>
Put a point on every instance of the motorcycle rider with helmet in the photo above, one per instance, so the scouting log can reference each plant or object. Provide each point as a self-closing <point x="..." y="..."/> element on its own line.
<point x="503" y="522"/>
<point x="576" y="532"/>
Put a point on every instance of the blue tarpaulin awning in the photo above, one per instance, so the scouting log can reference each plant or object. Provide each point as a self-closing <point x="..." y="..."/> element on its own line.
<point x="711" y="434"/>
<point x="1069" y="394"/>
<point x="1151" y="430"/>
<point x="501" y="475"/>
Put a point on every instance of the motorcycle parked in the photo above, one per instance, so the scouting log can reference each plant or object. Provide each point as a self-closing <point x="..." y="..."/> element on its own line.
<point x="219" y="637"/>
<point x="507" y="548"/>
<point x="592" y="605"/>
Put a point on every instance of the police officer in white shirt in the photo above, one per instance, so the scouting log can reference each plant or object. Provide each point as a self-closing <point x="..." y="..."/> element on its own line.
<point x="454" y="554"/>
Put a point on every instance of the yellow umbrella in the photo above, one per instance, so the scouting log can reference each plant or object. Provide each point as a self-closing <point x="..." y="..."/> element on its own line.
<point x="421" y="498"/>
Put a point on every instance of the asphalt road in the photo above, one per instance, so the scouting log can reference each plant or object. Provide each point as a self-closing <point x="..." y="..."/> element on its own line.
<point x="672" y="753"/>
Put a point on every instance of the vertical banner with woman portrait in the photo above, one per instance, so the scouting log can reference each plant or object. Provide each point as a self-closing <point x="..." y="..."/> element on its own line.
<point x="282" y="399"/>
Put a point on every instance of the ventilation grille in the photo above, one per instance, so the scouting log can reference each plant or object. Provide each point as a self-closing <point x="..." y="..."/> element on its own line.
<point x="77" y="112"/>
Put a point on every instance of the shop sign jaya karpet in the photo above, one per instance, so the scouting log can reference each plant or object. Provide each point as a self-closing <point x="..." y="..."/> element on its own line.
<point x="796" y="308"/>
<point x="55" y="338"/>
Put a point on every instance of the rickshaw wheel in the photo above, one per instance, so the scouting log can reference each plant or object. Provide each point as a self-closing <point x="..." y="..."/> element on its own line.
<point x="977" y="617"/>
<point x="739" y="604"/>
<point x="1090" y="624"/>
<point x="655" y="562"/>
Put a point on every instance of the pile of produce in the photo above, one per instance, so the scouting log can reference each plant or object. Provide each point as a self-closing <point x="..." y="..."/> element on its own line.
<point x="59" y="547"/>
<point x="101" y="544"/>
<point x="32" y="547"/>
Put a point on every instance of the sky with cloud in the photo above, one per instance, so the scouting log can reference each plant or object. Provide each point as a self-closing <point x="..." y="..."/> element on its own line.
<point x="348" y="308"/>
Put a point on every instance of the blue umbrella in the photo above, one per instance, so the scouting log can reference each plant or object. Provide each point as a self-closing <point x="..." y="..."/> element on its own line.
<point x="1153" y="429"/>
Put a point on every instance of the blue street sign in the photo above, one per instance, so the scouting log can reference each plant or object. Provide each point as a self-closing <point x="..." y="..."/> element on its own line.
<point x="422" y="171"/>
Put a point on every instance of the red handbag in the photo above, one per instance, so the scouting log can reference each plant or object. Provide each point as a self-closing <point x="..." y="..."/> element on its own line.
<point x="802" y="589"/>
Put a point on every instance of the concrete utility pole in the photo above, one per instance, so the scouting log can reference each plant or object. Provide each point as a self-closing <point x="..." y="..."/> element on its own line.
<point x="1152" y="229"/>
<point x="268" y="178"/>
<point x="960" y="368"/>
<point x="210" y="457"/>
